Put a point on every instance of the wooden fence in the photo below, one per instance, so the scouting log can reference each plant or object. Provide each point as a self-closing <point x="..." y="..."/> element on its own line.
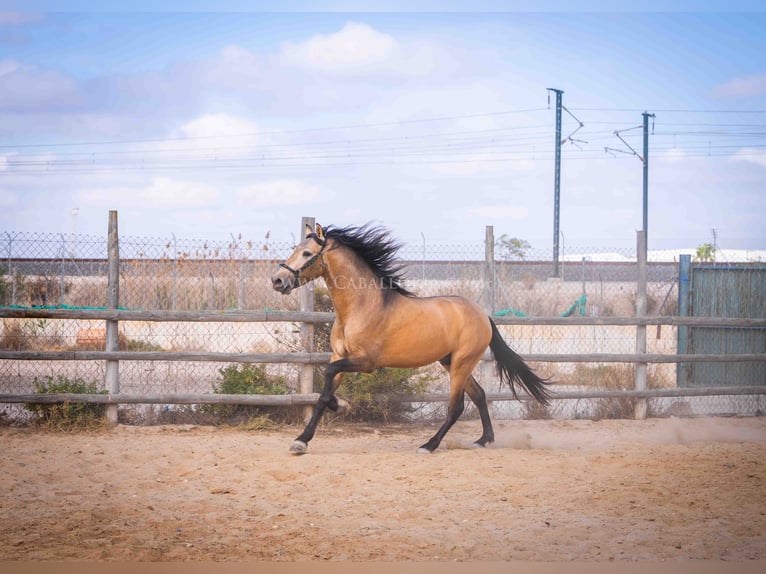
<point x="307" y="318"/>
<point x="114" y="397"/>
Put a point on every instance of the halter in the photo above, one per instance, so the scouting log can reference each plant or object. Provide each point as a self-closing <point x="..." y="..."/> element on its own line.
<point x="297" y="272"/>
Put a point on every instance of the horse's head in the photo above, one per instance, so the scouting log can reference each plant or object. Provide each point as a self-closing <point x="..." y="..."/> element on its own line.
<point x="304" y="264"/>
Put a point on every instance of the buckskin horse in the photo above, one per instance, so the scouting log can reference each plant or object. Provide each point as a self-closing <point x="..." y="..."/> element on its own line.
<point x="380" y="324"/>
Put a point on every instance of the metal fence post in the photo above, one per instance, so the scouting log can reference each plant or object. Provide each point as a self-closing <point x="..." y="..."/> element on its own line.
<point x="307" y="329"/>
<point x="640" y="383"/>
<point x="112" y="376"/>
<point x="684" y="271"/>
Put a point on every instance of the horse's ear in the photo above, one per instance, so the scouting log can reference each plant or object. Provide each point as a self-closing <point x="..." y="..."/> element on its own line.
<point x="320" y="232"/>
<point x="309" y="231"/>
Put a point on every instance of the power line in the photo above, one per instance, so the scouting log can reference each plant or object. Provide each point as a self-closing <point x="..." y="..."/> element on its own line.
<point x="511" y="143"/>
<point x="671" y="110"/>
<point x="277" y="132"/>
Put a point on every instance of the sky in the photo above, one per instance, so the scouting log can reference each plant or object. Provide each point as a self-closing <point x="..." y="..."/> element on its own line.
<point x="209" y="123"/>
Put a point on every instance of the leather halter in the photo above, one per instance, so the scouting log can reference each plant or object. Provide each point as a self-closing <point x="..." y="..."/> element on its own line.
<point x="297" y="272"/>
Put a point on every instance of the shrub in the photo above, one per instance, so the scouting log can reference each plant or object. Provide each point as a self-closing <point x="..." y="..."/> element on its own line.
<point x="248" y="380"/>
<point x="372" y="394"/>
<point x="14" y="338"/>
<point x="68" y="416"/>
<point x="609" y="378"/>
<point x="4" y="287"/>
<point x="135" y="345"/>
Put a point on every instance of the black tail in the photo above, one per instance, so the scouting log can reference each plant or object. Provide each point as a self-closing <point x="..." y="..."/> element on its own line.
<point x="511" y="369"/>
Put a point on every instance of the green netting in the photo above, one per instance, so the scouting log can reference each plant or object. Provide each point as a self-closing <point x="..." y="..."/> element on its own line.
<point x="578" y="307"/>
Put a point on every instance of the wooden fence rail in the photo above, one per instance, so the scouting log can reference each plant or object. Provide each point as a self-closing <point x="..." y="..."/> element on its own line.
<point x="323" y="358"/>
<point x="311" y="398"/>
<point x="320" y="317"/>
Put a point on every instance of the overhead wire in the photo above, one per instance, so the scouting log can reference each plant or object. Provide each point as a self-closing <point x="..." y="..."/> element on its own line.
<point x="511" y="143"/>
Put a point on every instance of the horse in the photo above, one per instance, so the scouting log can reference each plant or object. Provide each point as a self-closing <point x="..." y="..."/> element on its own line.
<point x="379" y="323"/>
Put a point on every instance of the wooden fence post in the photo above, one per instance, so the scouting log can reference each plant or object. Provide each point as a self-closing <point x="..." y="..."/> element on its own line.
<point x="640" y="383"/>
<point x="307" y="329"/>
<point x="112" y="375"/>
<point x="486" y="367"/>
<point x="489" y="269"/>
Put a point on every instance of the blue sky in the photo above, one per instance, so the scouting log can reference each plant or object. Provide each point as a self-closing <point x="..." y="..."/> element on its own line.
<point x="207" y="124"/>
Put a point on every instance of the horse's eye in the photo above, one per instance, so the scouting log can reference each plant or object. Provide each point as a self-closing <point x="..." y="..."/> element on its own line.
<point x="307" y="253"/>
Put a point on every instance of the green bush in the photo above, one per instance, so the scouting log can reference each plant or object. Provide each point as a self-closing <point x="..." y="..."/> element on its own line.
<point x="371" y="394"/>
<point x="248" y="380"/>
<point x="68" y="416"/>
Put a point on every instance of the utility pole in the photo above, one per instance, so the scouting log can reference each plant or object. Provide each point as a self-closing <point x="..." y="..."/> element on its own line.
<point x="645" y="161"/>
<point x="557" y="183"/>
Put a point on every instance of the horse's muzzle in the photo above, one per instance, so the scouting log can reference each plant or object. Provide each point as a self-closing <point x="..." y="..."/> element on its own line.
<point x="282" y="284"/>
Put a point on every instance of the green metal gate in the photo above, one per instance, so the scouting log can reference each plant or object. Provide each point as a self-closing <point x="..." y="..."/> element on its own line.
<point x="732" y="291"/>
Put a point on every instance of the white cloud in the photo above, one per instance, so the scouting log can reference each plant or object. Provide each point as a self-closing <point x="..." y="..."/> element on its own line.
<point x="278" y="192"/>
<point x="26" y="88"/>
<point x="673" y="155"/>
<point x="7" y="66"/>
<point x="173" y="194"/>
<point x="17" y="18"/>
<point x="239" y="57"/>
<point x="355" y="47"/>
<point x="744" y="87"/>
<point x="750" y="155"/>
<point x="7" y="198"/>
<point x="210" y="137"/>
<point x="500" y="210"/>
<point x="216" y="125"/>
<point x="159" y="193"/>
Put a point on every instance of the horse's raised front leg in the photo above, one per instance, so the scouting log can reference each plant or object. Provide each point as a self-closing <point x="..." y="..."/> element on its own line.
<point x="327" y="400"/>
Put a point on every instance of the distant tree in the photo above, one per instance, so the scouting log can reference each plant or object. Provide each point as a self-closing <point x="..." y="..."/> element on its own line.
<point x="705" y="252"/>
<point x="512" y="247"/>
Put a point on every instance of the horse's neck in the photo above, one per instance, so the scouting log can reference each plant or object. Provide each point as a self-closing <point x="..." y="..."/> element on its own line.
<point x="353" y="286"/>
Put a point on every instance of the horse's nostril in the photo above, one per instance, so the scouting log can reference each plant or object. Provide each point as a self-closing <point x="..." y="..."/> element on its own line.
<point x="276" y="282"/>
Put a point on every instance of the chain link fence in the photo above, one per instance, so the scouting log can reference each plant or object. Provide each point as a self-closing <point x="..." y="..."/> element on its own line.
<point x="169" y="274"/>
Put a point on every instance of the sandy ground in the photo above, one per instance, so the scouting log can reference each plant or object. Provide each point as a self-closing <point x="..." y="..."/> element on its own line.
<point x="669" y="489"/>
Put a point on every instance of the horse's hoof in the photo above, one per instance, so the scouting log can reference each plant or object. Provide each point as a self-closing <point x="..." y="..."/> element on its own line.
<point x="424" y="450"/>
<point x="298" y="447"/>
<point x="343" y="407"/>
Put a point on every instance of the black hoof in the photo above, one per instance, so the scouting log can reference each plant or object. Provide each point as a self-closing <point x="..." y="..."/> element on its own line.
<point x="483" y="443"/>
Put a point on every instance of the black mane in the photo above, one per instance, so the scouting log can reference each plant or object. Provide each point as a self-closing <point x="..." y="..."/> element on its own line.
<point x="377" y="249"/>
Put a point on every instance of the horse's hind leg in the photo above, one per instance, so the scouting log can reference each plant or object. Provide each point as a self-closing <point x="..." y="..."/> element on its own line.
<point x="476" y="393"/>
<point x="480" y="400"/>
<point x="459" y="371"/>
<point x="455" y="409"/>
